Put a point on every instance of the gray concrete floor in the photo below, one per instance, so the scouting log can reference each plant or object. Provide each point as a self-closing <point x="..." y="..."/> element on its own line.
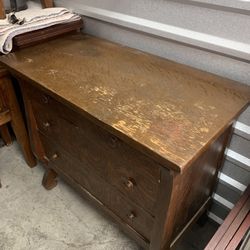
<point x="32" y="218"/>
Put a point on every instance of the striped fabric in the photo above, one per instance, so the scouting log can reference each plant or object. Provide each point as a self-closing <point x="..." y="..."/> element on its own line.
<point x="234" y="176"/>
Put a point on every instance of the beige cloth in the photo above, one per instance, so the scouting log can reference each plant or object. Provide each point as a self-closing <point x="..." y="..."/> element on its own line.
<point x="35" y="18"/>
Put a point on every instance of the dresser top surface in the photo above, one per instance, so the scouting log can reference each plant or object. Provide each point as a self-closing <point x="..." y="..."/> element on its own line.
<point x="171" y="110"/>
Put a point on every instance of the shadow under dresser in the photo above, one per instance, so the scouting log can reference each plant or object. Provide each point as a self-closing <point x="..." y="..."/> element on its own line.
<point x="140" y="136"/>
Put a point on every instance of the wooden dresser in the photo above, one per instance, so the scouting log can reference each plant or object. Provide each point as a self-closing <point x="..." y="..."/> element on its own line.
<point x="139" y="136"/>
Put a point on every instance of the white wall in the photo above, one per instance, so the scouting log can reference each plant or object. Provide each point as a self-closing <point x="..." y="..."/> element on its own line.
<point x="221" y="31"/>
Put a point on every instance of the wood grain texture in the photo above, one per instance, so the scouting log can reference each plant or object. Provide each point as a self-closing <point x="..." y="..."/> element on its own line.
<point x="130" y="213"/>
<point x="120" y="125"/>
<point x="160" y="106"/>
<point x="239" y="235"/>
<point x="35" y="141"/>
<point x="234" y="227"/>
<point x="2" y="10"/>
<point x="5" y="117"/>
<point x="135" y="175"/>
<point x="189" y="192"/>
<point x="87" y="195"/>
<point x="42" y="35"/>
<point x="10" y="112"/>
<point x="47" y="3"/>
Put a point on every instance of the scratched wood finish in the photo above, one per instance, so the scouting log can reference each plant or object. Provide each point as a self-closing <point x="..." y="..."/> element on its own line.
<point x="170" y="111"/>
<point x="130" y="213"/>
<point x="128" y="170"/>
<point x="152" y="118"/>
<point x="182" y="197"/>
<point x="188" y="195"/>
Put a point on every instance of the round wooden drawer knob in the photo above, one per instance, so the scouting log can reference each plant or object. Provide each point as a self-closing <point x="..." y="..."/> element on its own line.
<point x="55" y="156"/>
<point x="130" y="183"/>
<point x="131" y="216"/>
<point x="46" y="125"/>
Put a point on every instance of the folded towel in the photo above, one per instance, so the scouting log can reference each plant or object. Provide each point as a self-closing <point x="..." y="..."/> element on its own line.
<point x="35" y="18"/>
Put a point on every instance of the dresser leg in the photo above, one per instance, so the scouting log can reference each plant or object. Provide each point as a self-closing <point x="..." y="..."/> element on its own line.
<point x="49" y="179"/>
<point x="5" y="134"/>
<point x="17" y="124"/>
<point x="203" y="219"/>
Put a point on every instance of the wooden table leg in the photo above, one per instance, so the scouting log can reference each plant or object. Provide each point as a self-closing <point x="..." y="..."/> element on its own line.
<point x="2" y="10"/>
<point x="17" y="123"/>
<point x="5" y="134"/>
<point x="49" y="179"/>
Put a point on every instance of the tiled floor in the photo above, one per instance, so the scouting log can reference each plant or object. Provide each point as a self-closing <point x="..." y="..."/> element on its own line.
<point x="32" y="218"/>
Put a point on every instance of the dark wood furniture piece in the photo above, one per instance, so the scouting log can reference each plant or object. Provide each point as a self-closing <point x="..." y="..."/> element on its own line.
<point x="139" y="136"/>
<point x="2" y="10"/>
<point x="42" y="35"/>
<point x="230" y="234"/>
<point x="10" y="113"/>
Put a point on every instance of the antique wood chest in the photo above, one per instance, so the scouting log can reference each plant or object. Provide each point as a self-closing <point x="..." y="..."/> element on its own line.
<point x="139" y="136"/>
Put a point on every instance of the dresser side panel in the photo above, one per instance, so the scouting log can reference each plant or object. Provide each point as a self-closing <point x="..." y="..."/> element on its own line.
<point x="192" y="189"/>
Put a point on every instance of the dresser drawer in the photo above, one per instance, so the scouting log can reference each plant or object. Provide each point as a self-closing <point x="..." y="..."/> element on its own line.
<point x="128" y="170"/>
<point x="130" y="213"/>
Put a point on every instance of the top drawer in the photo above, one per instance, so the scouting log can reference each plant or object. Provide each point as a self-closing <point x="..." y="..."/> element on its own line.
<point x="130" y="171"/>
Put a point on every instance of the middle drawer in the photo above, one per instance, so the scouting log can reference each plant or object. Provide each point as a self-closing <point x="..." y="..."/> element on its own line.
<point x="72" y="169"/>
<point x="131" y="172"/>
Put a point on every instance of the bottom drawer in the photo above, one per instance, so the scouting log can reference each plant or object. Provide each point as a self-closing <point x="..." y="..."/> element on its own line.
<point x="125" y="209"/>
